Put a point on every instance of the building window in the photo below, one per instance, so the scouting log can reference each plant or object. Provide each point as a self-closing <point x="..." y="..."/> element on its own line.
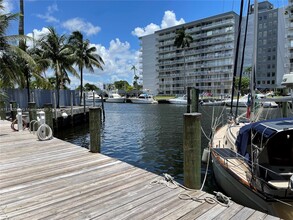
<point x="268" y="82"/>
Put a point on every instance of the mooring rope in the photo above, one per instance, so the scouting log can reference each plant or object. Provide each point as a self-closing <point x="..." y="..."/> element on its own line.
<point x="168" y="180"/>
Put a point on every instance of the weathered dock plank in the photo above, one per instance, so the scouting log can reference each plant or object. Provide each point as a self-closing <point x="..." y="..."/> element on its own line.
<point x="58" y="180"/>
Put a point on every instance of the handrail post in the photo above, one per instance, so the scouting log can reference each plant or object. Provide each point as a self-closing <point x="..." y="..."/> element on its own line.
<point x="19" y="119"/>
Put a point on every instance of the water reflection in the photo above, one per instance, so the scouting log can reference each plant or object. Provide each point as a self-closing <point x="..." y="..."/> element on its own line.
<point x="149" y="136"/>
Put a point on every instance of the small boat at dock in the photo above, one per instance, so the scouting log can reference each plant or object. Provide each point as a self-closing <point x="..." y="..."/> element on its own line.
<point x="180" y="100"/>
<point x="144" y="98"/>
<point x="114" y="97"/>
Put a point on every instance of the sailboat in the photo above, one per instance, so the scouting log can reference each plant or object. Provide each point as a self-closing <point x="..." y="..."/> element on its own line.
<point x="253" y="161"/>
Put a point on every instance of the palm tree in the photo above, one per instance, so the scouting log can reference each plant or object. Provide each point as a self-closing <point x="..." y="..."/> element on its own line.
<point x="22" y="45"/>
<point x="183" y="40"/>
<point x="9" y="70"/>
<point x="85" y="56"/>
<point x="61" y="58"/>
<point x="135" y="84"/>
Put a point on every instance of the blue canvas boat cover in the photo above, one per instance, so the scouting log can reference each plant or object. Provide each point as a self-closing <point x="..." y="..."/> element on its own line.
<point x="267" y="128"/>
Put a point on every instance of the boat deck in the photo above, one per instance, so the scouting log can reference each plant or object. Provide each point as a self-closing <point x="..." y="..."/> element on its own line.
<point x="58" y="180"/>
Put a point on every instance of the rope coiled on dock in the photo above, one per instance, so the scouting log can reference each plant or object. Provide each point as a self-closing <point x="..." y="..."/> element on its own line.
<point x="169" y="181"/>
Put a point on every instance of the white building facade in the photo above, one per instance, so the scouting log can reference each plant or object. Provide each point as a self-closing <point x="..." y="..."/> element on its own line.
<point x="289" y="37"/>
<point x="208" y="64"/>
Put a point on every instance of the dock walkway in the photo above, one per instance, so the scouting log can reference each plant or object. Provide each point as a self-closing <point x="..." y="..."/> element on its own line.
<point x="58" y="180"/>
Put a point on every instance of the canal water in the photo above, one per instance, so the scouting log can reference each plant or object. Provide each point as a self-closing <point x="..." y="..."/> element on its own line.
<point x="150" y="136"/>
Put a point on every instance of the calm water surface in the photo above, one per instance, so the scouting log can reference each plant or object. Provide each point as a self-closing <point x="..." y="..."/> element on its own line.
<point x="149" y="136"/>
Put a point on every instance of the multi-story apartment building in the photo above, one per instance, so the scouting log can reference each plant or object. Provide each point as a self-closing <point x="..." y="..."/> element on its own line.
<point x="208" y="63"/>
<point x="289" y="37"/>
<point x="270" y="46"/>
<point x="148" y="63"/>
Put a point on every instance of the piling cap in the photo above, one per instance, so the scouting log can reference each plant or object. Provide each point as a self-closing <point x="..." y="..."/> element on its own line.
<point x="193" y="114"/>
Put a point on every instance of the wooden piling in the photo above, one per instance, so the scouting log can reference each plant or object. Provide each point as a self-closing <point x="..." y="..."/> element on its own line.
<point x="32" y="109"/>
<point x="49" y="115"/>
<point x="284" y="109"/>
<point x="103" y="109"/>
<point x="95" y="127"/>
<point x="84" y="109"/>
<point x="2" y="109"/>
<point x="194" y="95"/>
<point x="13" y="108"/>
<point x="192" y="150"/>
<point x="71" y="108"/>
<point x="192" y="99"/>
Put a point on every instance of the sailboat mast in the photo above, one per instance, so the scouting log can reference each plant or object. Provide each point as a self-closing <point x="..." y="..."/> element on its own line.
<point x="252" y="76"/>
<point x="236" y="55"/>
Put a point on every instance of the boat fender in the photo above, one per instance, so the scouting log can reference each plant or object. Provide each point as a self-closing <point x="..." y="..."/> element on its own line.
<point x="291" y="183"/>
<point x="205" y="155"/>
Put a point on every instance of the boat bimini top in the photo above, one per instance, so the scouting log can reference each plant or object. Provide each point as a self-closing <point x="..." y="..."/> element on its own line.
<point x="266" y="129"/>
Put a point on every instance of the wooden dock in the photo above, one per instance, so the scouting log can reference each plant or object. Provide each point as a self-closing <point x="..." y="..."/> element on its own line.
<point x="58" y="180"/>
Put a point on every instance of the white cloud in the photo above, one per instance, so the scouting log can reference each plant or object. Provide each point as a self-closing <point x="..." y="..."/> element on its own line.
<point x="37" y="34"/>
<point x="8" y="6"/>
<point x="78" y="24"/>
<point x="118" y="59"/>
<point x="47" y="16"/>
<point x="169" y="19"/>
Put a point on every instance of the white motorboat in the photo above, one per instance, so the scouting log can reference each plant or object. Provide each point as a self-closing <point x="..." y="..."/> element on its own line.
<point x="93" y="97"/>
<point x="242" y="102"/>
<point x="253" y="163"/>
<point x="288" y="80"/>
<point x="144" y="99"/>
<point x="213" y="103"/>
<point x="115" y="98"/>
<point x="181" y="100"/>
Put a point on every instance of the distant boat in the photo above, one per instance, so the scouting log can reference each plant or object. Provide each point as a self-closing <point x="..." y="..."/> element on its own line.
<point x="114" y="97"/>
<point x="288" y="80"/>
<point x="242" y="102"/>
<point x="144" y="99"/>
<point x="213" y="103"/>
<point x="92" y="96"/>
<point x="181" y="100"/>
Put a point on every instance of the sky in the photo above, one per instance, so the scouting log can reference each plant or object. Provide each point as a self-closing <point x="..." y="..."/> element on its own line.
<point x="114" y="26"/>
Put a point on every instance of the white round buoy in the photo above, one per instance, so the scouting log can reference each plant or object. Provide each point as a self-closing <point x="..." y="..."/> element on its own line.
<point x="205" y="155"/>
<point x="64" y="115"/>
